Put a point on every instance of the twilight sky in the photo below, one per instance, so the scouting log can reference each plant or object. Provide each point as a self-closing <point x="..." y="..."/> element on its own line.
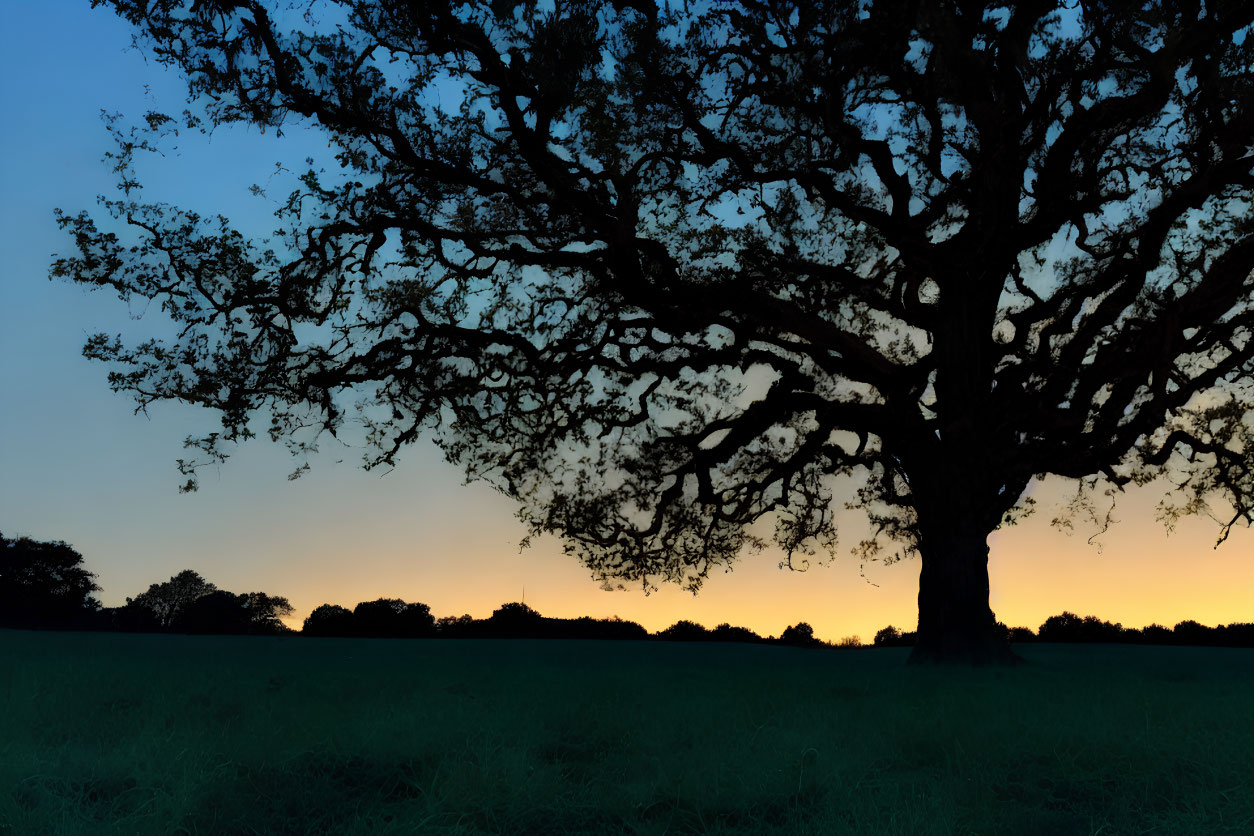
<point x="77" y="465"/>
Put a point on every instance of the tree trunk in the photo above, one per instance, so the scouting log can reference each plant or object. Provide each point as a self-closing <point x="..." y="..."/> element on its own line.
<point x="956" y="625"/>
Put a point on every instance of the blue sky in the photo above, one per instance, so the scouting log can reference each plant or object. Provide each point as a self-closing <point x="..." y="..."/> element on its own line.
<point x="77" y="465"/>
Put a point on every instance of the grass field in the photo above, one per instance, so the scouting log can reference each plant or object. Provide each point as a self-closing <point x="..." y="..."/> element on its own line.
<point x="111" y="734"/>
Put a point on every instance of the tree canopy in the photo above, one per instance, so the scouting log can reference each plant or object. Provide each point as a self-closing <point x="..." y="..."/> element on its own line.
<point x="329" y="620"/>
<point x="188" y="603"/>
<point x="44" y="584"/>
<point x="661" y="272"/>
<point x="393" y="617"/>
<point x="167" y="600"/>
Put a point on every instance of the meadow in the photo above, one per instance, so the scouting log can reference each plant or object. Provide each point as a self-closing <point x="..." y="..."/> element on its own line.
<point x="154" y="734"/>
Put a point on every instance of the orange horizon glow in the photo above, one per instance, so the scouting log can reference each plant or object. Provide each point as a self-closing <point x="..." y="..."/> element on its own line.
<point x="456" y="550"/>
<point x="341" y="536"/>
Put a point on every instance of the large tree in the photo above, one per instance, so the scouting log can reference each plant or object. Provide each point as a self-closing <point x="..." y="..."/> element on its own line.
<point x="661" y="273"/>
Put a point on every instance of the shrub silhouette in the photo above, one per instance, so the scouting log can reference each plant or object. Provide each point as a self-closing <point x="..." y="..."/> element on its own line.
<point x="44" y="585"/>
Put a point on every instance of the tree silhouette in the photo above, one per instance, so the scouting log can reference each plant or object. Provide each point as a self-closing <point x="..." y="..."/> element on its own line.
<point x="890" y="636"/>
<point x="516" y="620"/>
<point x="1236" y="634"/>
<point x="1022" y="635"/>
<point x="218" y="612"/>
<point x="1191" y="632"/>
<point x="1156" y="634"/>
<point x="1069" y="627"/>
<point x="801" y="634"/>
<point x="613" y="628"/>
<point x="1062" y="627"/>
<point x="329" y="620"/>
<point x="131" y="618"/>
<point x="380" y="618"/>
<point x="43" y="584"/>
<point x="659" y="274"/>
<point x="729" y="633"/>
<point x="166" y="600"/>
<point x="392" y="617"/>
<point x="187" y="603"/>
<point x="416" y="621"/>
<point x="685" y="631"/>
<point x="266" y="612"/>
<point x="455" y="626"/>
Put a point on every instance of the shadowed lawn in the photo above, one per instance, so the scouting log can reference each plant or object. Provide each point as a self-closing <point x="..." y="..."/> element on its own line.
<point x="113" y="733"/>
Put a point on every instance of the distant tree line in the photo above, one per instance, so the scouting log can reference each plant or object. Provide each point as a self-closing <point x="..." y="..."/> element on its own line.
<point x="394" y="618"/>
<point x="1068" y="627"/>
<point x="44" y="585"/>
<point x="187" y="603"/>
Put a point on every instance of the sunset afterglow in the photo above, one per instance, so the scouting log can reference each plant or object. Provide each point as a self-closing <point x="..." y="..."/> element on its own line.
<point x="78" y="466"/>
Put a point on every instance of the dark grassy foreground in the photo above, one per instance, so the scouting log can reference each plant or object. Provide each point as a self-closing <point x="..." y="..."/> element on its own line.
<point x="110" y="733"/>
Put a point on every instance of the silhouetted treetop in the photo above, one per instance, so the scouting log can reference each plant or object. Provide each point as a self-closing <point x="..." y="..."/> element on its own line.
<point x="217" y="612"/>
<point x="1069" y="627"/>
<point x="266" y="612"/>
<point x="166" y="600"/>
<point x="1022" y="635"/>
<point x="515" y="611"/>
<point x="455" y="626"/>
<point x="392" y="617"/>
<point x="660" y="272"/>
<point x="685" y="631"/>
<point x="801" y="634"/>
<point x="726" y="632"/>
<point x="44" y="584"/>
<point x="328" y="620"/>
<point x="889" y="636"/>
